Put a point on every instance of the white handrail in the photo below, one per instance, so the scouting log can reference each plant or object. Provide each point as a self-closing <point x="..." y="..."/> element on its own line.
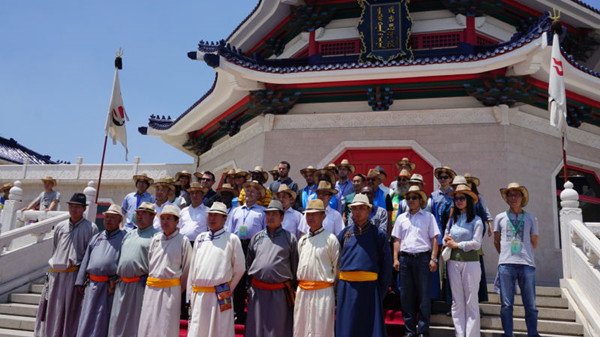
<point x="38" y="230"/>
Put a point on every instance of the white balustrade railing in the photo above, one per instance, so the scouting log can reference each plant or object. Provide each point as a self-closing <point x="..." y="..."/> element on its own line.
<point x="581" y="262"/>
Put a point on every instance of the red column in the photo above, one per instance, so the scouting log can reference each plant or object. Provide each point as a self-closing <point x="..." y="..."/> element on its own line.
<point x="313" y="48"/>
<point x="470" y="35"/>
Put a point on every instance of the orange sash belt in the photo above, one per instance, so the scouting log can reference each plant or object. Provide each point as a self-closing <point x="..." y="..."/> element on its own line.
<point x="314" y="285"/>
<point x="68" y="270"/>
<point x="98" y="278"/>
<point x="199" y="289"/>
<point x="130" y="279"/>
<point x="267" y="286"/>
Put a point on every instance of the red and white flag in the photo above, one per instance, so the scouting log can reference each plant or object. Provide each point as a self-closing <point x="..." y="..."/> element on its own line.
<point x="557" y="99"/>
<point x="115" y="121"/>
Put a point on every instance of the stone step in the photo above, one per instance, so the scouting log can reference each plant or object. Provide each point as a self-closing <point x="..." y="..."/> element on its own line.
<point x="558" y="314"/>
<point x="15" y="333"/>
<point x="17" y="322"/>
<point x="447" y="331"/>
<point x="541" y="301"/>
<point x="539" y="291"/>
<point x="19" y="309"/>
<point x="36" y="288"/>
<point x="494" y="323"/>
<point x="25" y="298"/>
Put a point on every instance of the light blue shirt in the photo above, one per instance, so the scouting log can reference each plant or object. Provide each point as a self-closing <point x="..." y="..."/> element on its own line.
<point x="131" y="202"/>
<point x="528" y="228"/>
<point x="246" y="221"/>
<point x="467" y="234"/>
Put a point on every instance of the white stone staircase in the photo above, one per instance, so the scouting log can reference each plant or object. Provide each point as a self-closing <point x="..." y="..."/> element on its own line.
<point x="555" y="318"/>
<point x="17" y="317"/>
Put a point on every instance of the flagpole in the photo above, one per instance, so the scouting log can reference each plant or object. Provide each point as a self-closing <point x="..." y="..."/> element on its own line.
<point x="101" y="168"/>
<point x="564" y="159"/>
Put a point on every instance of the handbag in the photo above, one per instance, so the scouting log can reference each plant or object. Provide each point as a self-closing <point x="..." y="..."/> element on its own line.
<point x="446" y="253"/>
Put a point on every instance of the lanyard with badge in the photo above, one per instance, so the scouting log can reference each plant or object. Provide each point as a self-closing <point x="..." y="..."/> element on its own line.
<point x="515" y="244"/>
<point x="243" y="230"/>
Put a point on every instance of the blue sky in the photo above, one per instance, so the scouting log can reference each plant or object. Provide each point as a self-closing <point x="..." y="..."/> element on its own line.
<point x="56" y="70"/>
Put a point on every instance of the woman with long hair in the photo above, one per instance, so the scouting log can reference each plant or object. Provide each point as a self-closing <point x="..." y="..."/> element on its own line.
<point x="463" y="234"/>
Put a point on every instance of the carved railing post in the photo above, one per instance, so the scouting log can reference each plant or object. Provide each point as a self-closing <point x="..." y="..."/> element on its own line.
<point x="570" y="211"/>
<point x="11" y="206"/>
<point x="90" y="194"/>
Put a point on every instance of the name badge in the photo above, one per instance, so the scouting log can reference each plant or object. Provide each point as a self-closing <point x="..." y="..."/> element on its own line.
<point x="243" y="231"/>
<point x="515" y="247"/>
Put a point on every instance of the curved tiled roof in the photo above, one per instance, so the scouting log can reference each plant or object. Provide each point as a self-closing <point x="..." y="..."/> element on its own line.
<point x="16" y="153"/>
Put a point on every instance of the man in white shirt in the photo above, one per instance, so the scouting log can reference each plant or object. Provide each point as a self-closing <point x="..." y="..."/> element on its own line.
<point x="333" y="222"/>
<point x="193" y="217"/>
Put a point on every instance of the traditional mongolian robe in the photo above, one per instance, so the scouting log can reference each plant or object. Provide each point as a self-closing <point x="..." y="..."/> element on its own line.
<point x="99" y="265"/>
<point x="169" y="258"/>
<point x="272" y="260"/>
<point x="60" y="305"/>
<point x="133" y="271"/>
<point x="365" y="268"/>
<point x="315" y="299"/>
<point x="217" y="258"/>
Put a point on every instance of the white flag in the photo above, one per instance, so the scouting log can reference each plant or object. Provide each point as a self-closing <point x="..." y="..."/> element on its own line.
<point x="557" y="99"/>
<point x="115" y="121"/>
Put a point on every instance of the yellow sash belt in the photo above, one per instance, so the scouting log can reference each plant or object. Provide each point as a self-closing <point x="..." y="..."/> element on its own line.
<point x="314" y="285"/>
<point x="68" y="270"/>
<point x="358" y="276"/>
<point x="163" y="283"/>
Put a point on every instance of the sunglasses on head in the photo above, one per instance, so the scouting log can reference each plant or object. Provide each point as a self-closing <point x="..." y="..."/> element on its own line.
<point x="413" y="197"/>
<point x="460" y="198"/>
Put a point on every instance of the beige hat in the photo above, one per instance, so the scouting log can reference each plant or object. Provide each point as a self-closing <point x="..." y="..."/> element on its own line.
<point x="146" y="207"/>
<point x="404" y="173"/>
<point x="227" y="188"/>
<point x="459" y="180"/>
<point x="315" y="206"/>
<point x="444" y="169"/>
<point x="416" y="178"/>
<point x="332" y="167"/>
<point x="283" y="188"/>
<point x="360" y="199"/>
<point x="165" y="181"/>
<point x="465" y="189"/>
<point x="182" y="174"/>
<point x="307" y="169"/>
<point x="198" y="187"/>
<point x="238" y="173"/>
<point x="421" y="193"/>
<point x="325" y="186"/>
<point x="170" y="209"/>
<point x="518" y="187"/>
<point x="257" y="185"/>
<point x="218" y="208"/>
<point x="346" y="163"/>
<point x="274" y="205"/>
<point x="373" y="173"/>
<point x="406" y="162"/>
<point x="114" y="209"/>
<point x="472" y="179"/>
<point x="50" y="179"/>
<point x="274" y="171"/>
<point x="143" y="177"/>
<point x="325" y="172"/>
<point x="6" y="186"/>
<point x="198" y="174"/>
<point x="259" y="169"/>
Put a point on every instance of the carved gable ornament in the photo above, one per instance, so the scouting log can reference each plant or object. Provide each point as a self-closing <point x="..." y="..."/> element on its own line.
<point x="384" y="28"/>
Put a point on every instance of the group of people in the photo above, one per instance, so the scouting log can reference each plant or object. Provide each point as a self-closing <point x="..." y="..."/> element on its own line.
<point x="285" y="261"/>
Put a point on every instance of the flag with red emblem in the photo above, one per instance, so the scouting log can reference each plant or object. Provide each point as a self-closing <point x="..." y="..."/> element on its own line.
<point x="557" y="99"/>
<point x="115" y="122"/>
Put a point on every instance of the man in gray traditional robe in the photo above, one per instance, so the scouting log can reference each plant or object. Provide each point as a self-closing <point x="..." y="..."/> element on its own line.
<point x="98" y="274"/>
<point x="272" y="262"/>
<point x="133" y="271"/>
<point x="60" y="304"/>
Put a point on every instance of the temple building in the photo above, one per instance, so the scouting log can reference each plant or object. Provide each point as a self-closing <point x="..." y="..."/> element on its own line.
<point x="455" y="83"/>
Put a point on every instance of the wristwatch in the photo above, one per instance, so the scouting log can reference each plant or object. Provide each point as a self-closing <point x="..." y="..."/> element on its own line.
<point x="434" y="260"/>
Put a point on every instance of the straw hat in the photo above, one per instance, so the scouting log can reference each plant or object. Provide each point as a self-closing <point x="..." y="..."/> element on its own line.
<point x="50" y="179"/>
<point x="421" y="193"/>
<point x="274" y="171"/>
<point x="170" y="209"/>
<point x="146" y="207"/>
<point x="257" y="185"/>
<point x="360" y="199"/>
<point x="332" y="167"/>
<point x="183" y="174"/>
<point x="114" y="209"/>
<point x="404" y="173"/>
<point x="283" y="188"/>
<point x="346" y="163"/>
<point x="198" y="187"/>
<point x="218" y="208"/>
<point x="445" y="169"/>
<point x="416" y="178"/>
<point x="465" y="189"/>
<point x="325" y="186"/>
<point x="406" y="162"/>
<point x="373" y="173"/>
<point x="315" y="206"/>
<point x="198" y="174"/>
<point x="259" y="169"/>
<point x="324" y="172"/>
<point x="239" y="173"/>
<point x="6" y="187"/>
<point x="274" y="205"/>
<point x="381" y="170"/>
<point x="472" y="179"/>
<point x="143" y="177"/>
<point x="459" y="180"/>
<point x="518" y="187"/>
<point x="227" y="188"/>
<point x="307" y="169"/>
<point x="165" y="181"/>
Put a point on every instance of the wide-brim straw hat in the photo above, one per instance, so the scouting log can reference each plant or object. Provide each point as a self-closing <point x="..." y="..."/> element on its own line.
<point x="274" y="171"/>
<point x="227" y="188"/>
<point x="373" y="173"/>
<point x="416" y="178"/>
<point x="182" y="174"/>
<point x="404" y="173"/>
<point x="114" y="209"/>
<point x="198" y="187"/>
<point x="315" y="206"/>
<point x="143" y="177"/>
<point x="274" y="205"/>
<point x="465" y="189"/>
<point x="6" y="186"/>
<point x="165" y="181"/>
<point x="259" y="169"/>
<point x="360" y="199"/>
<point x="406" y="162"/>
<point x="515" y="186"/>
<point x="471" y="179"/>
<point x="459" y="180"/>
<point x="333" y="168"/>
<point x="218" y="208"/>
<point x="239" y="173"/>
<point x="257" y="185"/>
<point x="346" y="163"/>
<point x="421" y="193"/>
<point x="170" y="209"/>
<point x="50" y="179"/>
<point x="283" y="188"/>
<point x="146" y="207"/>
<point x="324" y="172"/>
<point x="198" y="174"/>
<point x="325" y="186"/>
<point x="444" y="169"/>
<point x="307" y="169"/>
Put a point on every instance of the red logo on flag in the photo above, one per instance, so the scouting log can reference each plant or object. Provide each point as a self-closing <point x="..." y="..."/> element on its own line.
<point x="557" y="66"/>
<point x="118" y="118"/>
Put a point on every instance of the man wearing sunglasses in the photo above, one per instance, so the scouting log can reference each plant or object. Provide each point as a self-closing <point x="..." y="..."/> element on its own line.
<point x="207" y="180"/>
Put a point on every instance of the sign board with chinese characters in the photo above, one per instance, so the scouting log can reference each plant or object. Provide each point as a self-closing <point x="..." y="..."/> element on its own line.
<point x="384" y="28"/>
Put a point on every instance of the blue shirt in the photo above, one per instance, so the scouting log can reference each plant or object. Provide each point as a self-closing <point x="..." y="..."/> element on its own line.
<point x="131" y="202"/>
<point x="438" y="200"/>
<point x="246" y="221"/>
<point x="308" y="194"/>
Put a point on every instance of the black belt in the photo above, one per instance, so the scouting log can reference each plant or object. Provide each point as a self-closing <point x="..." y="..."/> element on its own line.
<point x="415" y="254"/>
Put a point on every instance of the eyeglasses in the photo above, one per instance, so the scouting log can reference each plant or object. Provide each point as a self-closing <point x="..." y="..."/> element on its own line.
<point x="205" y="179"/>
<point x="460" y="198"/>
<point x="371" y="179"/>
<point x="412" y="197"/>
<point x="402" y="179"/>
<point x="443" y="177"/>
